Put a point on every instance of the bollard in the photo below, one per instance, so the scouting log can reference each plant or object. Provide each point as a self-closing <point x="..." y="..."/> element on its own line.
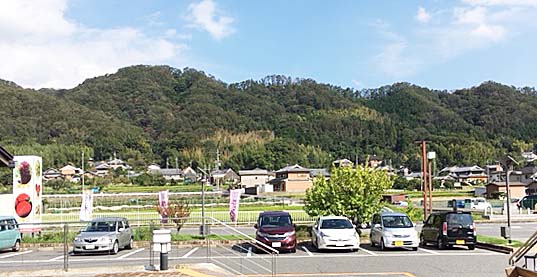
<point x="163" y="261"/>
<point x="162" y="243"/>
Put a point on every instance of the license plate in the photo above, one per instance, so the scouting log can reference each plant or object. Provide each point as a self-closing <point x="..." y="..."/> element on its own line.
<point x="398" y="243"/>
<point x="276" y="244"/>
<point x="90" y="247"/>
<point x="340" y="244"/>
<point x="459" y="241"/>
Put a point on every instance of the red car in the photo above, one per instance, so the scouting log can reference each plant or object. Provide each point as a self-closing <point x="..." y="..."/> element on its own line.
<point x="276" y="230"/>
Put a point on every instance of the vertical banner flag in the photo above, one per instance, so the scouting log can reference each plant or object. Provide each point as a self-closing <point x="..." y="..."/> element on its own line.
<point x="234" y="197"/>
<point x="163" y="204"/>
<point x="27" y="190"/>
<point x="86" y="210"/>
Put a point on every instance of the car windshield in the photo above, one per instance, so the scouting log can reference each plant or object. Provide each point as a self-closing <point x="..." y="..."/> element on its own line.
<point x="459" y="219"/>
<point x="275" y="221"/>
<point x="396" y="221"/>
<point x="101" y="226"/>
<point x="336" y="224"/>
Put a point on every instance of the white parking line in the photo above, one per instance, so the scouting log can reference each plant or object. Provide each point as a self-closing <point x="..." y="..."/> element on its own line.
<point x="307" y="251"/>
<point x="131" y="253"/>
<point x="368" y="252"/>
<point x="430" y="251"/>
<point x="57" y="258"/>
<point x="249" y="252"/>
<point x="190" y="252"/>
<point x="15" y="254"/>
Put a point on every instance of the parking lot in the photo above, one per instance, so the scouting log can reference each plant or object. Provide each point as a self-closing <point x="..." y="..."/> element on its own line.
<point x="240" y="260"/>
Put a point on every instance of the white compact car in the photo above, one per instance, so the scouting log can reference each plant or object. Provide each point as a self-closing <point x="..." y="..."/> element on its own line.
<point x="334" y="232"/>
<point x="391" y="230"/>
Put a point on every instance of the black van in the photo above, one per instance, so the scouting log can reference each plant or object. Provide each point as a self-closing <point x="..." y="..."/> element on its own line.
<point x="446" y="229"/>
<point x="528" y="202"/>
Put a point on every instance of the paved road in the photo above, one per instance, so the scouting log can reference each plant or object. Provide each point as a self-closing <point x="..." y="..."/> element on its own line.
<point x="239" y="259"/>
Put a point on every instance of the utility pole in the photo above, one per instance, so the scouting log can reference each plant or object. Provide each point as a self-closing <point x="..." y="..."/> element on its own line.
<point x="424" y="187"/>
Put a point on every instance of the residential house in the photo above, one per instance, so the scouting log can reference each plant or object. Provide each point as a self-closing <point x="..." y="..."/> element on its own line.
<point x="316" y="172"/>
<point x="518" y="189"/>
<point x="342" y="163"/>
<point x="253" y="177"/>
<point x="175" y="174"/>
<point x="529" y="174"/>
<point x="294" y="178"/>
<point x="102" y="168"/>
<point x="69" y="171"/>
<point x="190" y="175"/>
<point x="470" y="175"/>
<point x="223" y="176"/>
<point x="51" y="174"/>
<point x="118" y="163"/>
<point x="494" y="172"/>
<point x="153" y="169"/>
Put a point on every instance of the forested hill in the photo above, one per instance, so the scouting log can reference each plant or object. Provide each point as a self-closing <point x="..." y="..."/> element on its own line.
<point x="147" y="114"/>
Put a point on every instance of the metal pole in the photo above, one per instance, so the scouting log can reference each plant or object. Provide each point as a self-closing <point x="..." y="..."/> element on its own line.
<point x="65" y="249"/>
<point x="430" y="187"/>
<point x="83" y="173"/>
<point x="203" y="208"/>
<point x="508" y="204"/>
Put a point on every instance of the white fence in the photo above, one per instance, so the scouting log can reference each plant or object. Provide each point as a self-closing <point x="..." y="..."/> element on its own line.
<point x="244" y="217"/>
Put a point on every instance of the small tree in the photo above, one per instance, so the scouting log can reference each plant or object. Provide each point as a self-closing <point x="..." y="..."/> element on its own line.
<point x="178" y="212"/>
<point x="351" y="192"/>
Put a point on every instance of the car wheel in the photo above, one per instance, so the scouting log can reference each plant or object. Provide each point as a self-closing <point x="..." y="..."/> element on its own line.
<point x="131" y="242"/>
<point x="115" y="248"/>
<point x="439" y="243"/>
<point x="315" y="245"/>
<point x="382" y="247"/>
<point x="17" y="246"/>
<point x="414" y="249"/>
<point x="293" y="250"/>
<point x="422" y="241"/>
<point x="471" y="247"/>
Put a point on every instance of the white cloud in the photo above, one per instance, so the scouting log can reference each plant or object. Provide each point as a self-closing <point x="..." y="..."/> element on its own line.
<point x="39" y="47"/>
<point x="204" y="15"/>
<point x="423" y="16"/>
<point x="465" y="27"/>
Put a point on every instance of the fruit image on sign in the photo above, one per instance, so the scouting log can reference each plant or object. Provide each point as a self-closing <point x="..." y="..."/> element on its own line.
<point x="25" y="173"/>
<point x="23" y="205"/>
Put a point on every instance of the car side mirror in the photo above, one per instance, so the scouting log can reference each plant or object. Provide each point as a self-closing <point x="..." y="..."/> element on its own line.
<point x="121" y="229"/>
<point x="425" y="221"/>
<point x="255" y="226"/>
<point x="377" y="225"/>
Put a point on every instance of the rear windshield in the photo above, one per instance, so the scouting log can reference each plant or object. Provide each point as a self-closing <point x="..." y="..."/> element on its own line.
<point x="396" y="221"/>
<point x="459" y="219"/>
<point x="275" y="221"/>
<point x="336" y="224"/>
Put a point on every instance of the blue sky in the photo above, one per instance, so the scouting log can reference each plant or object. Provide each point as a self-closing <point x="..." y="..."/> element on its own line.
<point x="360" y="44"/>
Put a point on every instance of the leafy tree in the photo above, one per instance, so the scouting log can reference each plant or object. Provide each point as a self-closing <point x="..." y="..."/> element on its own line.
<point x="351" y="192"/>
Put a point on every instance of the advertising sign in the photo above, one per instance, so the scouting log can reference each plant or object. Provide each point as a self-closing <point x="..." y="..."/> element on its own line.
<point x="234" y="197"/>
<point x="162" y="205"/>
<point x="86" y="209"/>
<point x="27" y="192"/>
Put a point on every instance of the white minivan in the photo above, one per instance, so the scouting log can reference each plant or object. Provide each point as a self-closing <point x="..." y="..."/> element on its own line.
<point x="393" y="230"/>
<point x="478" y="203"/>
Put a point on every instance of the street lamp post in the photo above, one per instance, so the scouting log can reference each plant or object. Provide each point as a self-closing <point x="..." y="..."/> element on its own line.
<point x="507" y="161"/>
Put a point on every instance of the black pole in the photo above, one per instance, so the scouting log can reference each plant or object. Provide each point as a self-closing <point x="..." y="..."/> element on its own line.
<point x="508" y="205"/>
<point x="163" y="259"/>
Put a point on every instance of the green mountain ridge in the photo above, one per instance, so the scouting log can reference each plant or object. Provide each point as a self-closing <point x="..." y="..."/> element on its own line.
<point x="149" y="114"/>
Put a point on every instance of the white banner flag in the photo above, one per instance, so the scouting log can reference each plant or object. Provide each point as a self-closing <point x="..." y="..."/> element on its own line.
<point x="234" y="198"/>
<point x="86" y="209"/>
<point x="163" y="204"/>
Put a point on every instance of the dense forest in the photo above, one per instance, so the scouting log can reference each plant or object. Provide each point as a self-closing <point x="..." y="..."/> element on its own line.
<point x="151" y="114"/>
